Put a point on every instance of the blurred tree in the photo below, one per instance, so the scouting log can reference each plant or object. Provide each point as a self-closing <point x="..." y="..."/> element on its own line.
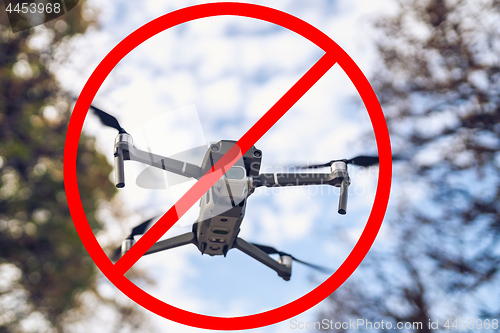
<point x="439" y="86"/>
<point x="44" y="268"/>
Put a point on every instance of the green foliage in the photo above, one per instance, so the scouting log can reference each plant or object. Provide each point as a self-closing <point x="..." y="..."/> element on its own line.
<point x="38" y="241"/>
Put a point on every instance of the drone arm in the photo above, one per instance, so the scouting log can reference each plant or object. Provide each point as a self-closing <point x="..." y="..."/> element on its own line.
<point x="283" y="271"/>
<point x="296" y="179"/>
<point x="339" y="177"/>
<point x="165" y="163"/>
<point x="184" y="239"/>
<point x="124" y="151"/>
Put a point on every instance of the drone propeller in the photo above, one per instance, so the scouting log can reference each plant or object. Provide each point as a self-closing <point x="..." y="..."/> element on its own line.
<point x="272" y="250"/>
<point x="139" y="230"/>
<point x="107" y="119"/>
<point x="364" y="161"/>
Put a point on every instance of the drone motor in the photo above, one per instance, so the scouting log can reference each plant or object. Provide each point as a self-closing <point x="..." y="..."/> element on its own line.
<point x="127" y="245"/>
<point x="339" y="170"/>
<point x="286" y="260"/>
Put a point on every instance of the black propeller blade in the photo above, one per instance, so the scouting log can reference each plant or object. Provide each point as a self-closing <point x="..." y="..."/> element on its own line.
<point x="272" y="250"/>
<point x="107" y="119"/>
<point x="139" y="230"/>
<point x="364" y="161"/>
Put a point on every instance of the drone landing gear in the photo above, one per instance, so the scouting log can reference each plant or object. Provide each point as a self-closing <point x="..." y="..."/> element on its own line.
<point x="283" y="269"/>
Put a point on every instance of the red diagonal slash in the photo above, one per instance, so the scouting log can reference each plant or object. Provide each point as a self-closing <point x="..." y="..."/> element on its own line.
<point x="241" y="147"/>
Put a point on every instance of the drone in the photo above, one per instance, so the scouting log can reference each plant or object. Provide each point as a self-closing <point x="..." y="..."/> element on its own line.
<point x="222" y="207"/>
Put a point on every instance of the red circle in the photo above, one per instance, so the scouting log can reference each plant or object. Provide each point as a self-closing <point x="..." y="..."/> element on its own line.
<point x="376" y="215"/>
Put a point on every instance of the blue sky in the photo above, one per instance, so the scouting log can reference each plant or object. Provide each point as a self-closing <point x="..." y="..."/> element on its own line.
<point x="217" y="76"/>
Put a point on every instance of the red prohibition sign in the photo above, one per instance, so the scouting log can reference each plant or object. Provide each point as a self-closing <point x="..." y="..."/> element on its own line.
<point x="333" y="54"/>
